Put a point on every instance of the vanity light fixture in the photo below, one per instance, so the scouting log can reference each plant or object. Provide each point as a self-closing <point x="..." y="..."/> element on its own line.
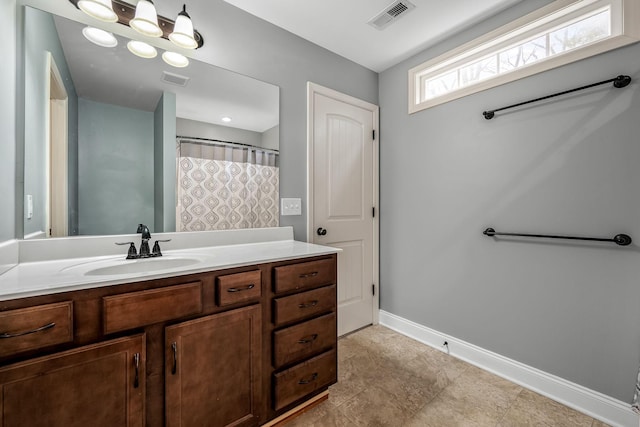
<point x="100" y="37"/>
<point x="143" y="18"/>
<point x="175" y="59"/>
<point x="182" y="34"/>
<point x="142" y="49"/>
<point x="146" y="19"/>
<point x="99" y="9"/>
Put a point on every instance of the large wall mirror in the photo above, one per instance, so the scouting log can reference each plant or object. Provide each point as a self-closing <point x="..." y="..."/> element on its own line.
<point x="113" y="140"/>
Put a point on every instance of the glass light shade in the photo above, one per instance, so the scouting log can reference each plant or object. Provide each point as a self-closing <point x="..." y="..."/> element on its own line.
<point x="100" y="37"/>
<point x="175" y="59"/>
<point x="146" y="19"/>
<point x="182" y="34"/>
<point x="142" y="49"/>
<point x="99" y="9"/>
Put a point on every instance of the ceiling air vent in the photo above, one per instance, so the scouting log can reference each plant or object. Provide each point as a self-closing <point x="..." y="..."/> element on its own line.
<point x="390" y="14"/>
<point x="174" y="79"/>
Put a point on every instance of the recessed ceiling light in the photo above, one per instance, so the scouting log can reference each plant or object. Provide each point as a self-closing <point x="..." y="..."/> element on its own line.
<point x="142" y="49"/>
<point x="100" y="37"/>
<point x="226" y="119"/>
<point x="175" y="59"/>
<point x="99" y="9"/>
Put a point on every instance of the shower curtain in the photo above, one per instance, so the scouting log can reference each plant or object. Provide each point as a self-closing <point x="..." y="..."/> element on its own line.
<point x="225" y="186"/>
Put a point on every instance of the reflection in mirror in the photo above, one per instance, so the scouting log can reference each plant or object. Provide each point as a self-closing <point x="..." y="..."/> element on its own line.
<point x="113" y="140"/>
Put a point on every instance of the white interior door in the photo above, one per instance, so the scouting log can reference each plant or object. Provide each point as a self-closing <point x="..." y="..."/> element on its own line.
<point x="342" y="197"/>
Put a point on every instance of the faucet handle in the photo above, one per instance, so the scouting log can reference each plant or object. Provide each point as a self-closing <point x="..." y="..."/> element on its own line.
<point x="156" y="247"/>
<point x="132" y="253"/>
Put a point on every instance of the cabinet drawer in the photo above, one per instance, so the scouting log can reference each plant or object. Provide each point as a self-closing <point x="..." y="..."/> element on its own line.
<point x="304" y="275"/>
<point x="304" y="304"/>
<point x="240" y="287"/>
<point x="35" y="327"/>
<point x="298" y="342"/>
<point x="305" y="378"/>
<point x="135" y="309"/>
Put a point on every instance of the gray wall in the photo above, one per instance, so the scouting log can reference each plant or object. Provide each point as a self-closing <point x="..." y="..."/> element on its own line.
<point x="37" y="43"/>
<point x="568" y="166"/>
<point x="8" y="121"/>
<point x="164" y="171"/>
<point x="271" y="138"/>
<point x="243" y="43"/>
<point x="116" y="165"/>
<point x="196" y="129"/>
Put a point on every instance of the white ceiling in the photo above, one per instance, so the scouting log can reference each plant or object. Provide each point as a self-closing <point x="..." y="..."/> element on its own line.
<point x="341" y="25"/>
<point x="115" y="76"/>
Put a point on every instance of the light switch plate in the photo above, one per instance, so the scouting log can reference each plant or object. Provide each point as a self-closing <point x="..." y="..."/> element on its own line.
<point x="289" y="206"/>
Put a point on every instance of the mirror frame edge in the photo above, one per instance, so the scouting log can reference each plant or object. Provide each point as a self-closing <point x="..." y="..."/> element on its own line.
<point x="20" y="120"/>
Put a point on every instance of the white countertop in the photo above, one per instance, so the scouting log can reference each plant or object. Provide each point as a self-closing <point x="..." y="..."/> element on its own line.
<point x="28" y="279"/>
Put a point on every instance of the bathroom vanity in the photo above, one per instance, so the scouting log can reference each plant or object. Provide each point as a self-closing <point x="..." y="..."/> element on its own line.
<point x="215" y="343"/>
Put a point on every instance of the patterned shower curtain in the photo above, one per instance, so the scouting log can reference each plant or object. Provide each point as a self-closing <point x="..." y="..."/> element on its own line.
<point x="225" y="186"/>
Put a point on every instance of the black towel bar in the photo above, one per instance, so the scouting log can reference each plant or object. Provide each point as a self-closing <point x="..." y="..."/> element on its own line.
<point x="618" y="239"/>
<point x="619" y="81"/>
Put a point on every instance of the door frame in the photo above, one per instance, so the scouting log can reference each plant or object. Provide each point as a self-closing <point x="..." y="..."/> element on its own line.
<point x="56" y="152"/>
<point x="312" y="89"/>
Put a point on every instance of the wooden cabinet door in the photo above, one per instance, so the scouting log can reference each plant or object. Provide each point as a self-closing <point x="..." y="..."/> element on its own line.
<point x="100" y="385"/>
<point x="213" y="370"/>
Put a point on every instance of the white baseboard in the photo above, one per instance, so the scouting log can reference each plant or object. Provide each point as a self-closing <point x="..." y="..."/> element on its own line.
<point x="587" y="401"/>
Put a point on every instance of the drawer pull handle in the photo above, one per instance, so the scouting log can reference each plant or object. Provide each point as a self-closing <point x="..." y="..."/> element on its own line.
<point x="33" y="331"/>
<point x="243" y="288"/>
<point x="311" y="379"/>
<point x="136" y="364"/>
<point x="306" y="275"/>
<point x="308" y="304"/>
<point x="174" y="368"/>
<point x="306" y="340"/>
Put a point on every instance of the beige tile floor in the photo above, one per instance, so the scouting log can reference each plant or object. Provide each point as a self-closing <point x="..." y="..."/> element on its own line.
<point x="387" y="379"/>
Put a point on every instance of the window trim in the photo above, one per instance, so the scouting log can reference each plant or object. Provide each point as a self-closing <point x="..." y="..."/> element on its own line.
<point x="625" y="30"/>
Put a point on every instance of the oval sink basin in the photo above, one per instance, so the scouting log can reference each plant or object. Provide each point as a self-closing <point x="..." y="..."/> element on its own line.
<point x="142" y="266"/>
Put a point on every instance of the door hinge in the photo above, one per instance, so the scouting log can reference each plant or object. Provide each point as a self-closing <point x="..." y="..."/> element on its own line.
<point x="373" y="211"/>
<point x="374" y="134"/>
<point x="373" y="289"/>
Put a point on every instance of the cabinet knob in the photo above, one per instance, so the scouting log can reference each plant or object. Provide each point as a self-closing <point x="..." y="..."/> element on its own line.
<point x="321" y="231"/>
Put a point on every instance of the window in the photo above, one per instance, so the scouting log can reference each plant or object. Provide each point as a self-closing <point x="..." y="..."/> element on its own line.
<point x="562" y="32"/>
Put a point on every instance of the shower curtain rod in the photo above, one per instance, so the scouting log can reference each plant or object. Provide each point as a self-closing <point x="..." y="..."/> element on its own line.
<point x="618" y="82"/>
<point x="226" y="143"/>
<point x="618" y="239"/>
